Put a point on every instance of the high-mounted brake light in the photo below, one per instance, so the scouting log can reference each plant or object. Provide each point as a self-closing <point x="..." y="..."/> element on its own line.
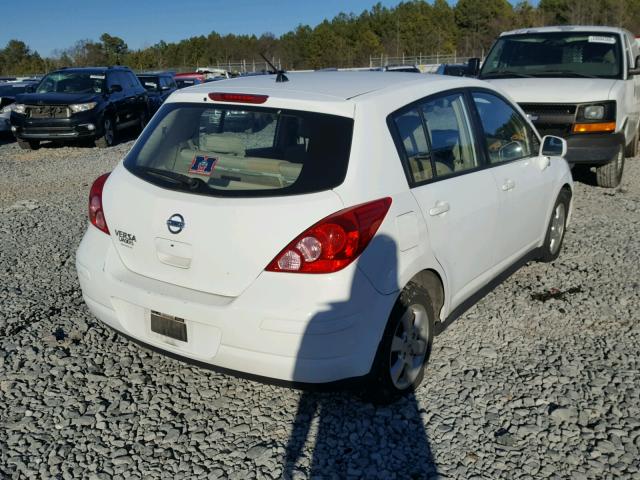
<point x="96" y="214"/>
<point x="238" y="98"/>
<point x="334" y="242"/>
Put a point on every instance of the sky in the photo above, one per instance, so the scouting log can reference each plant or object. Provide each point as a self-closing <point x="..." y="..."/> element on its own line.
<point x="47" y="25"/>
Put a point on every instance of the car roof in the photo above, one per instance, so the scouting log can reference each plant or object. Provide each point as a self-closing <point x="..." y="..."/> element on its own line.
<point x="93" y="69"/>
<point x="154" y="75"/>
<point x="341" y="85"/>
<point x="13" y="84"/>
<point x="331" y="92"/>
<point x="566" y="29"/>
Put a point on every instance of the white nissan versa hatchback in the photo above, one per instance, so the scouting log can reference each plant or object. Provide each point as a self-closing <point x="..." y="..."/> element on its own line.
<point x="320" y="228"/>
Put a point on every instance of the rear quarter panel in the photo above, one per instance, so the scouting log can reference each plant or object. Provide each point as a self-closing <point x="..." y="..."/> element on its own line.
<point x="400" y="249"/>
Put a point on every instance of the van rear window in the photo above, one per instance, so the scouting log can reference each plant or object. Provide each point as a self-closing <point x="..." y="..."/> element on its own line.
<point x="226" y="150"/>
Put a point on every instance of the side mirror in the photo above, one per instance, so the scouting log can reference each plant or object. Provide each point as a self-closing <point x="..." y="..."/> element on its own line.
<point x="635" y="70"/>
<point x="473" y="67"/>
<point x="553" y="147"/>
<point x="31" y="88"/>
<point x="115" y="88"/>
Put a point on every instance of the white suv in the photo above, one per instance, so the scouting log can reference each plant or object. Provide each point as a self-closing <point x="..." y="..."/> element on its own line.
<point x="322" y="228"/>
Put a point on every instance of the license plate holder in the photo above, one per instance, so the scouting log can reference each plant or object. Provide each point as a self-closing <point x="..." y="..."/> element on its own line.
<point x="168" y="326"/>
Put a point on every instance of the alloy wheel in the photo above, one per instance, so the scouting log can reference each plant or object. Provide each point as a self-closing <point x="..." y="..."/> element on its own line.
<point x="557" y="227"/>
<point x="409" y="346"/>
<point x="108" y="131"/>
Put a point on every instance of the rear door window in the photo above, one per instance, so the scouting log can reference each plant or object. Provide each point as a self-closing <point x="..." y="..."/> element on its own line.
<point x="134" y="83"/>
<point x="414" y="141"/>
<point x="227" y="150"/>
<point x="449" y="128"/>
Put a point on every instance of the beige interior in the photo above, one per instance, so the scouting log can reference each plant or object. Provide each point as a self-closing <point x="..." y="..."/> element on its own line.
<point x="233" y="166"/>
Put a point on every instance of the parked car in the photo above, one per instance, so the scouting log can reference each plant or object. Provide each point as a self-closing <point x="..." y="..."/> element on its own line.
<point x="580" y="83"/>
<point x="400" y="68"/>
<point x="80" y="103"/>
<point x="8" y="92"/>
<point x="453" y="69"/>
<point x="333" y="243"/>
<point x="189" y="79"/>
<point x="158" y="86"/>
<point x="213" y="73"/>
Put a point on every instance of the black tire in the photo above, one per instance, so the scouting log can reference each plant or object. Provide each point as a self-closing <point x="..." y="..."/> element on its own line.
<point x="631" y="150"/>
<point x="380" y="388"/>
<point x="108" y="138"/>
<point x="552" y="241"/>
<point x="610" y="174"/>
<point x="29" y="144"/>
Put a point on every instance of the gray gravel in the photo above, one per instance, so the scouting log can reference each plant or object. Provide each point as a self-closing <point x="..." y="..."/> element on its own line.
<point x="541" y="379"/>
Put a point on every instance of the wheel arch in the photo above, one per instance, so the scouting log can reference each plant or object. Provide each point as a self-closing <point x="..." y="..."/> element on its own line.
<point x="109" y="111"/>
<point x="431" y="280"/>
<point x="569" y="189"/>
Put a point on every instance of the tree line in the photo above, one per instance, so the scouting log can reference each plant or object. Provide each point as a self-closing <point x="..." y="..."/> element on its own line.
<point x="412" y="28"/>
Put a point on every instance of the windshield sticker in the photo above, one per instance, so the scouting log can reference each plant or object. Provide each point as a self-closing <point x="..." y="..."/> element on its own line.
<point x="597" y="39"/>
<point x="202" y="165"/>
<point x="97" y="77"/>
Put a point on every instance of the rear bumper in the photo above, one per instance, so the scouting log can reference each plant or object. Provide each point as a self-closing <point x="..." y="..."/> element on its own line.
<point x="292" y="328"/>
<point x="593" y="148"/>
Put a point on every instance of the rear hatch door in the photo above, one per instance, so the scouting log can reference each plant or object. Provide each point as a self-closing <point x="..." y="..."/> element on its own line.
<point x="224" y="243"/>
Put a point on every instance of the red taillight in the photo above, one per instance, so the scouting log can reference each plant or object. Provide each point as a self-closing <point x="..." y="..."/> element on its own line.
<point x="334" y="242"/>
<point x="238" y="98"/>
<point x="96" y="214"/>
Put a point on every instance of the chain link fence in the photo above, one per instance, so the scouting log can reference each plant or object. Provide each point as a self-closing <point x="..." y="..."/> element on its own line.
<point x="426" y="63"/>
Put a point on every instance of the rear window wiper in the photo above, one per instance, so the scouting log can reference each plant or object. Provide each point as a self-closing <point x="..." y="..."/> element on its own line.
<point x="189" y="182"/>
<point x="504" y="73"/>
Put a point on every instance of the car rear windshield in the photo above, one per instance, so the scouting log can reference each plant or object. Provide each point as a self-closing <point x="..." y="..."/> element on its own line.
<point x="563" y="54"/>
<point x="236" y="151"/>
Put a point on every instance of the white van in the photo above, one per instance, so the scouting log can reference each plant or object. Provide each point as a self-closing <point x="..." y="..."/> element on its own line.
<point x="580" y="83"/>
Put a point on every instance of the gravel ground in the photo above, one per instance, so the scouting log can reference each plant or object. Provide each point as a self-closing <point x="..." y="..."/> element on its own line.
<point x="541" y="379"/>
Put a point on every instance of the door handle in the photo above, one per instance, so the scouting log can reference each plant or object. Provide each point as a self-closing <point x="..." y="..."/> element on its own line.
<point x="439" y="209"/>
<point x="508" y="185"/>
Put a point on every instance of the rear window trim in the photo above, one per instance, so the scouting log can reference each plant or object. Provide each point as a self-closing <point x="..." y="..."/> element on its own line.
<point x="215" y="193"/>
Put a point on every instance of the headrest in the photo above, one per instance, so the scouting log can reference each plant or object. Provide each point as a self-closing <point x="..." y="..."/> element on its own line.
<point x="221" y="143"/>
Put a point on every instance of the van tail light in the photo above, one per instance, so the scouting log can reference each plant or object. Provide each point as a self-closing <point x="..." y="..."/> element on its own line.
<point x="96" y="213"/>
<point x="334" y="242"/>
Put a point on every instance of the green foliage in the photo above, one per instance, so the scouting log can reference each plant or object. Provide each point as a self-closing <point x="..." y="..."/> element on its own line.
<point x="17" y="57"/>
<point x="480" y="21"/>
<point x="413" y="27"/>
<point x="114" y="48"/>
